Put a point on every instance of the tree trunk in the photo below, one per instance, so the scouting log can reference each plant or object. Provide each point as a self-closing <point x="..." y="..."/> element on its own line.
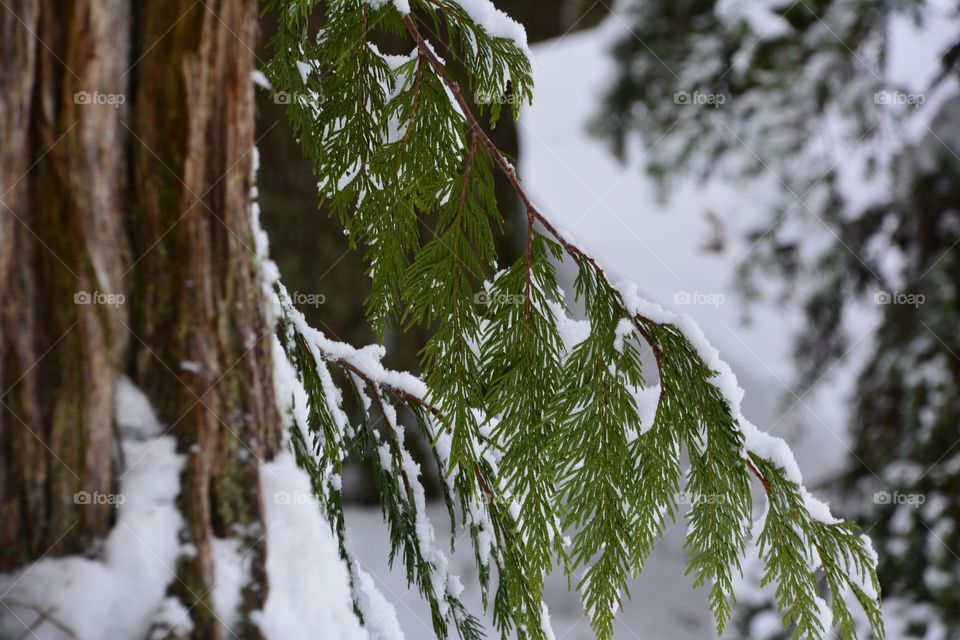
<point x="126" y="166"/>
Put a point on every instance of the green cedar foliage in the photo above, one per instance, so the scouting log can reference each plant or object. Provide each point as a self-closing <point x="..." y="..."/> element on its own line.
<point x="540" y="444"/>
<point x="791" y="542"/>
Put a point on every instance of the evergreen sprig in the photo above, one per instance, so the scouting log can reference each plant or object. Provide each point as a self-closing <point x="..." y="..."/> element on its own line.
<point x="397" y="476"/>
<point x="537" y="421"/>
<point x="798" y="548"/>
<point x="521" y="354"/>
<point x="598" y="415"/>
<point x="695" y="411"/>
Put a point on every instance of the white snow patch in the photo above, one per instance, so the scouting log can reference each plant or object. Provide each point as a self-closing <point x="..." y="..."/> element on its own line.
<point x="260" y="80"/>
<point x="231" y="571"/>
<point x="191" y="366"/>
<point x="379" y="616"/>
<point x="624" y="329"/>
<point x="496" y="23"/>
<point x="309" y="584"/>
<point x="117" y="594"/>
<point x="760" y="16"/>
<point x="403" y="6"/>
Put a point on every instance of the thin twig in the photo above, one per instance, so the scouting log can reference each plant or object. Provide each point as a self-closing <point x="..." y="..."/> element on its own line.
<point x="528" y="271"/>
<point x="414" y="108"/>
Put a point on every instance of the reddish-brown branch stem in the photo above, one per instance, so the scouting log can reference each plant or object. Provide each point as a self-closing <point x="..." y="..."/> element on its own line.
<point x="391" y="429"/>
<point x="503" y="164"/>
<point x="528" y="271"/>
<point x="412" y="118"/>
<point x="763" y="481"/>
<point x="362" y="103"/>
<point x="404" y="395"/>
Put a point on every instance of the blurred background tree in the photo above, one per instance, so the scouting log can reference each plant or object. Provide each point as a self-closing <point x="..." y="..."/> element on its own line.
<point x="784" y="77"/>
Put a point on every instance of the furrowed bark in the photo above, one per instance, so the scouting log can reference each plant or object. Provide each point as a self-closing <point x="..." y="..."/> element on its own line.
<point x="62" y="242"/>
<point x="193" y="180"/>
<point x="144" y="194"/>
<point x="22" y="475"/>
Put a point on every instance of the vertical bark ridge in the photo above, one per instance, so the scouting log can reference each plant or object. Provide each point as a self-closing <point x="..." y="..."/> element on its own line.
<point x="62" y="244"/>
<point x="196" y="210"/>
